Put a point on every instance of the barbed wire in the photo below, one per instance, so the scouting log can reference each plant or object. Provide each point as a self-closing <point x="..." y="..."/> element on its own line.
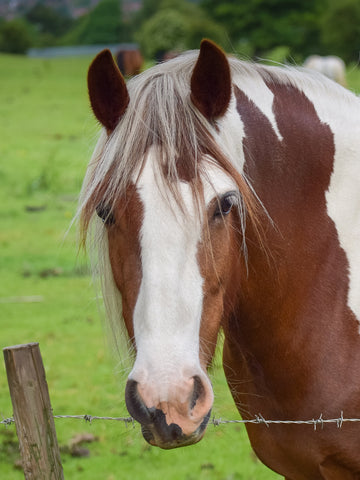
<point x="257" y="420"/>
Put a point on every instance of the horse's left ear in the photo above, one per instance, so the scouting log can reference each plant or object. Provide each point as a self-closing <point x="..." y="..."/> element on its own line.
<point x="107" y="90"/>
<point x="211" y="81"/>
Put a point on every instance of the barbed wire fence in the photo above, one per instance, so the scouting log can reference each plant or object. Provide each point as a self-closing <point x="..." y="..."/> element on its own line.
<point x="257" y="420"/>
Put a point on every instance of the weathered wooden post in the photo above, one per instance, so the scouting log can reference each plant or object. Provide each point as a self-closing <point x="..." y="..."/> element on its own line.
<point x="32" y="413"/>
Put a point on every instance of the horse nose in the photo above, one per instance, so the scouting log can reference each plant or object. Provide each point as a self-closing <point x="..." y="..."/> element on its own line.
<point x="167" y="424"/>
<point x="149" y="416"/>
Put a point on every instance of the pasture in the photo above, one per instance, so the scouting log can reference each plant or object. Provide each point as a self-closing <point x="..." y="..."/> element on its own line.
<point x="46" y="293"/>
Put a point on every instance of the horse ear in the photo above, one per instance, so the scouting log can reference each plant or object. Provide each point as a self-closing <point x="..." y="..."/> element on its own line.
<point x="211" y="81"/>
<point x="107" y="90"/>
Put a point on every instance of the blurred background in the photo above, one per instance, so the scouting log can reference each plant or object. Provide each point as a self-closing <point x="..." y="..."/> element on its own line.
<point x="47" y="135"/>
<point x="254" y="28"/>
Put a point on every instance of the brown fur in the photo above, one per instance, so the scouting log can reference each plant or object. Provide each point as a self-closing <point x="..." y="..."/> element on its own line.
<point x="124" y="248"/>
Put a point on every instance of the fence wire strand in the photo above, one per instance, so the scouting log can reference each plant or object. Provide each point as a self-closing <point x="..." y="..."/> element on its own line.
<point x="257" y="420"/>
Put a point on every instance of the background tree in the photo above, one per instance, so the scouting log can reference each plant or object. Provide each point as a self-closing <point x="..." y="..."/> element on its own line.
<point x="340" y="29"/>
<point x="279" y="29"/>
<point x="49" y="23"/>
<point x="16" y="36"/>
<point x="104" y="24"/>
<point x="48" y="20"/>
<point x="266" y="24"/>
<point x="164" y="31"/>
<point x="176" y="25"/>
<point x="148" y="9"/>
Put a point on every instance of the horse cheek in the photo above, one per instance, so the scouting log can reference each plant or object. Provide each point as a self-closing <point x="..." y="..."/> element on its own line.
<point x="216" y="257"/>
<point x="126" y="269"/>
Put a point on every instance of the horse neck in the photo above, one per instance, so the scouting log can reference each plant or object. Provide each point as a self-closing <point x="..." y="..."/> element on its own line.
<point x="292" y="304"/>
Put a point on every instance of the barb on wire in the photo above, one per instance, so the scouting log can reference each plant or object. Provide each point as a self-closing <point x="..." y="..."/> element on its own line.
<point x="90" y="418"/>
<point x="258" y="420"/>
<point x="7" y="421"/>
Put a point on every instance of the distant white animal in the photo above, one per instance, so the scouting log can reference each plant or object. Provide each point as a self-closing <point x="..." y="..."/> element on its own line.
<point x="330" y="66"/>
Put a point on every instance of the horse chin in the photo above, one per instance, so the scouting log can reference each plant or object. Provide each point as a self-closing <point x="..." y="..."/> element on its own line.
<point x="174" y="437"/>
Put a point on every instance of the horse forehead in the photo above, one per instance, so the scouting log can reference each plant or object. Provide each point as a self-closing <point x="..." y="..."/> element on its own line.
<point x="155" y="192"/>
<point x="216" y="182"/>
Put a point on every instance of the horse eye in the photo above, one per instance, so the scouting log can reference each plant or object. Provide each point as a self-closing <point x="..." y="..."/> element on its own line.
<point x="225" y="204"/>
<point x="104" y="212"/>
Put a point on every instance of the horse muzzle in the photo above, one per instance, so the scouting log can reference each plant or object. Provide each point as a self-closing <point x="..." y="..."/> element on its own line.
<point x="171" y="424"/>
<point x="160" y="434"/>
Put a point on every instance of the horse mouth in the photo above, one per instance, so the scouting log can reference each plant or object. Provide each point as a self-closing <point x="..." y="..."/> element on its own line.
<point x="171" y="436"/>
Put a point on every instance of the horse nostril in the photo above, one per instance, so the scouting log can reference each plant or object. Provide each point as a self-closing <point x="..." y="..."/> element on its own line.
<point x="198" y="391"/>
<point x="136" y="407"/>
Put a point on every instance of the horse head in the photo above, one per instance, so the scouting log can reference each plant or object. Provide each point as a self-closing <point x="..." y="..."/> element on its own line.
<point x="172" y="230"/>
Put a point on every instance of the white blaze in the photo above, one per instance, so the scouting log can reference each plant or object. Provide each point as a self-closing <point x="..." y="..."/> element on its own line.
<point x="168" y="310"/>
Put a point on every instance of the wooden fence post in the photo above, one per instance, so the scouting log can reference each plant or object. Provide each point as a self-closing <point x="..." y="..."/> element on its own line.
<point x="32" y="413"/>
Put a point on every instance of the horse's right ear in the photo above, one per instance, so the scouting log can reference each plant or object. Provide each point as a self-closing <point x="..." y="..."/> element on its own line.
<point x="107" y="90"/>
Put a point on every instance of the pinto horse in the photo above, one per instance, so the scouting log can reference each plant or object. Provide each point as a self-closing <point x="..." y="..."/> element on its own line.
<point x="331" y="66"/>
<point x="129" y="61"/>
<point x="225" y="195"/>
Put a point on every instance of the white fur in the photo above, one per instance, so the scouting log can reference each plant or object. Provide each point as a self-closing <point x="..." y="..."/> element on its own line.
<point x="343" y="203"/>
<point x="231" y="134"/>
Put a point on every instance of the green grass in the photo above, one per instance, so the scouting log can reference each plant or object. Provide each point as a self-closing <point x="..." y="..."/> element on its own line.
<point x="47" y="136"/>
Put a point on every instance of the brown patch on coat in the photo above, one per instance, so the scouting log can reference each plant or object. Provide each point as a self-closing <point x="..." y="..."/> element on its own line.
<point x="125" y="252"/>
<point x="219" y="258"/>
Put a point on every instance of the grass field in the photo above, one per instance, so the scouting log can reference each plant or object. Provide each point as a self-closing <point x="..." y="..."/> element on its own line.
<point x="47" y="135"/>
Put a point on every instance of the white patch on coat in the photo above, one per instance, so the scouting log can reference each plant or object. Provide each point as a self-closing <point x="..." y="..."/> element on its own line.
<point x="258" y="92"/>
<point x="343" y="204"/>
